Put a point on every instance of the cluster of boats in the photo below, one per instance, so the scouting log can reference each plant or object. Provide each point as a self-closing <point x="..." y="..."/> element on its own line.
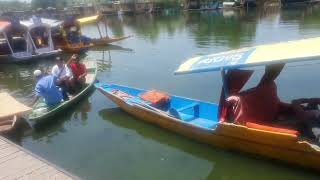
<point x="204" y="121"/>
<point x="39" y="38"/>
<point x="198" y="120"/>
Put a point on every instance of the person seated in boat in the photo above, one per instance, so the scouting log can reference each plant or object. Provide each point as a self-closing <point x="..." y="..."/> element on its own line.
<point x="260" y="104"/>
<point x="79" y="72"/>
<point x="47" y="89"/>
<point x="73" y="35"/>
<point x="63" y="75"/>
<point x="307" y="114"/>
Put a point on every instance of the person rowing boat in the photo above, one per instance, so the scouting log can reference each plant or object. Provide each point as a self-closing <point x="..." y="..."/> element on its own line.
<point x="46" y="88"/>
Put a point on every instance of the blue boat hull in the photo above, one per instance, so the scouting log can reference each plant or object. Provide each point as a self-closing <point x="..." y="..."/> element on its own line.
<point x="195" y="112"/>
<point x="198" y="120"/>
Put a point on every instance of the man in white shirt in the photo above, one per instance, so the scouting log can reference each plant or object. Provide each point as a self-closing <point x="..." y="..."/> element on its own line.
<point x="62" y="74"/>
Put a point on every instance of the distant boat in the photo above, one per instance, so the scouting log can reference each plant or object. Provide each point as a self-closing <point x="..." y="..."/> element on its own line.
<point x="69" y="37"/>
<point x="39" y="31"/>
<point x="18" y="45"/>
<point x="72" y="40"/>
<point x="104" y="39"/>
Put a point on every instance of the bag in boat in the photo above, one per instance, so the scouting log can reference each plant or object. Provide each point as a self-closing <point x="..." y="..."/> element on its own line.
<point x="156" y="98"/>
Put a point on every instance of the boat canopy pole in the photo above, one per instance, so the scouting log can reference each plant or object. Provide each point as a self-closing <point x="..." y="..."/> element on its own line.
<point x="99" y="30"/>
<point x="225" y="84"/>
<point x="33" y="44"/>
<point x="6" y="37"/>
<point x="51" y="46"/>
<point x="105" y="26"/>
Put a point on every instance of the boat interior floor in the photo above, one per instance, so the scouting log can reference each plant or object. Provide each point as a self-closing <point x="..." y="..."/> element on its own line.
<point x="189" y="111"/>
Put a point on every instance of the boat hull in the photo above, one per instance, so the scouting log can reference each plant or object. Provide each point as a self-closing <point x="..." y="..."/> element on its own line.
<point x="277" y="146"/>
<point x="106" y="41"/>
<point x="7" y="59"/>
<point x="75" y="49"/>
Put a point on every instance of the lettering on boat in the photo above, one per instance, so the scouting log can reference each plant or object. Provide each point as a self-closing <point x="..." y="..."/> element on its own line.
<point x="226" y="59"/>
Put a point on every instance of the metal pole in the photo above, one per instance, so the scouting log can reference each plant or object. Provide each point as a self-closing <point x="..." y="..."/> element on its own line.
<point x="99" y="30"/>
<point x="5" y="36"/>
<point x="225" y="84"/>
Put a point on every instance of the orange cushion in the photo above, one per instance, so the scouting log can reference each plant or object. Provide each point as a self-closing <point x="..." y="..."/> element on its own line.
<point x="155" y="97"/>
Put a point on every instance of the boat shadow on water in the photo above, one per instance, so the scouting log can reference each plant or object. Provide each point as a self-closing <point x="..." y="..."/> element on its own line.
<point x="234" y="161"/>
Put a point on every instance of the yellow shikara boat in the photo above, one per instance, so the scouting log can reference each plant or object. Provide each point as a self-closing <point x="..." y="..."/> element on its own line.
<point x="75" y="48"/>
<point x="103" y="40"/>
<point x="202" y="121"/>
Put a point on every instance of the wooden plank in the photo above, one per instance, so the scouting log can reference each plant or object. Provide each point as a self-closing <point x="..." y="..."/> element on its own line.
<point x="19" y="163"/>
<point x="11" y="156"/>
<point x="7" y="151"/>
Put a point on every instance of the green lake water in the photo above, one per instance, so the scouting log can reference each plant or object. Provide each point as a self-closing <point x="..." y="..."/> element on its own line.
<point x="96" y="140"/>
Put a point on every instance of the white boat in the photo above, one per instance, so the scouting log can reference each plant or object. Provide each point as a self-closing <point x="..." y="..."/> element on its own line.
<point x="18" y="42"/>
<point x="39" y="32"/>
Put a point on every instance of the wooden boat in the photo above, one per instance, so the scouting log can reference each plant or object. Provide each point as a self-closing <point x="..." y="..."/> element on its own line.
<point x="16" y="44"/>
<point x="75" y="48"/>
<point x="40" y="34"/>
<point x="11" y="113"/>
<point x="103" y="40"/>
<point x="41" y="112"/>
<point x="69" y="37"/>
<point x="202" y="121"/>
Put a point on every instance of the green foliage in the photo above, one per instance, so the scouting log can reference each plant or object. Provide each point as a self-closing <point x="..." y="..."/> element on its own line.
<point x="48" y="3"/>
<point x="168" y="3"/>
<point x="13" y="5"/>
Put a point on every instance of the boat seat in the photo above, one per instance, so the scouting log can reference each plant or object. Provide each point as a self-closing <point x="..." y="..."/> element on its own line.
<point x="180" y="113"/>
<point x="205" y="123"/>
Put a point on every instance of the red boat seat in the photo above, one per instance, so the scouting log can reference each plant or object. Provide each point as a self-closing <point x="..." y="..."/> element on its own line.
<point x="272" y="129"/>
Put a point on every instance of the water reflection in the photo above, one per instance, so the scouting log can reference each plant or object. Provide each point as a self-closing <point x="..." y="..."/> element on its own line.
<point x="17" y="79"/>
<point x="150" y="26"/>
<point x="222" y="162"/>
<point x="102" y="54"/>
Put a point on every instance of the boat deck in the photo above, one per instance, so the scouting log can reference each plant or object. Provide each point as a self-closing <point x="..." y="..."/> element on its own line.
<point x="18" y="163"/>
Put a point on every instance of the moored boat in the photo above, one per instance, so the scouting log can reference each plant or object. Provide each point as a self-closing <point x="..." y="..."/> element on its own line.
<point x="103" y="39"/>
<point x="40" y="34"/>
<point x="70" y="38"/>
<point x="18" y="44"/>
<point x="204" y="121"/>
<point x="41" y="112"/>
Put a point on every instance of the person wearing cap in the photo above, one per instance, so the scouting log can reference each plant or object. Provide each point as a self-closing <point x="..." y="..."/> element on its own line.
<point x="62" y="74"/>
<point x="47" y="89"/>
<point x="78" y="70"/>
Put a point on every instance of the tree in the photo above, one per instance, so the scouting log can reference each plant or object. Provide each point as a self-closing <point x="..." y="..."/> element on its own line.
<point x="48" y="3"/>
